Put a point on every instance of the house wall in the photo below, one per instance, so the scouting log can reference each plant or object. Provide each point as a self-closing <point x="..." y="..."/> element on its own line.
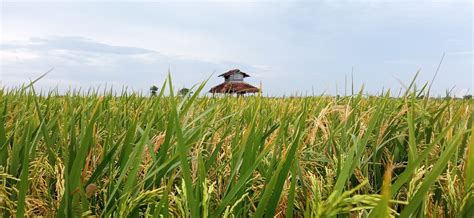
<point x="235" y="77"/>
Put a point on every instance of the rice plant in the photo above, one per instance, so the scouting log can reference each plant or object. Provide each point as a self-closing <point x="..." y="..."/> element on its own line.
<point x="129" y="155"/>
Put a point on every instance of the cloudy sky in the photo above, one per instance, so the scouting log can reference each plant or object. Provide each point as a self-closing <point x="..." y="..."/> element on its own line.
<point x="287" y="46"/>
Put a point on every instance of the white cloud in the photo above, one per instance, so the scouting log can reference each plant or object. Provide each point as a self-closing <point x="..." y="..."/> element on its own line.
<point x="461" y="53"/>
<point x="17" y="56"/>
<point x="80" y="62"/>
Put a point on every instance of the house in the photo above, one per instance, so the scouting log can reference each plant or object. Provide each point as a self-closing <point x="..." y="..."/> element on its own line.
<point x="234" y="83"/>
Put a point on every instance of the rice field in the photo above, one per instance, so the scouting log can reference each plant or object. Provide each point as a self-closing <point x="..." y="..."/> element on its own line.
<point x="98" y="154"/>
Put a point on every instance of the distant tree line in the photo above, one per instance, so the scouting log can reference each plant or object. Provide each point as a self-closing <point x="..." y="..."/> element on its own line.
<point x="182" y="92"/>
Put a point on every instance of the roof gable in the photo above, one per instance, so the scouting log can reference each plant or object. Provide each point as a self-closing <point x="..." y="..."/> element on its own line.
<point x="234" y="71"/>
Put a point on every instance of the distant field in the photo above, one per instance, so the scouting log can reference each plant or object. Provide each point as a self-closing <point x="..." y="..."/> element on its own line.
<point x="235" y="157"/>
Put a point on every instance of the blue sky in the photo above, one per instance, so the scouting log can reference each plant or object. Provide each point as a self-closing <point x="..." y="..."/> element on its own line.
<point x="288" y="46"/>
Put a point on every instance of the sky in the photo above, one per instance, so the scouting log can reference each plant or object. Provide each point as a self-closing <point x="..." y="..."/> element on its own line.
<point x="287" y="47"/>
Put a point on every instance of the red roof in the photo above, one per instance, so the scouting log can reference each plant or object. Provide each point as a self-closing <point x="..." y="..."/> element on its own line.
<point x="234" y="87"/>
<point x="230" y="72"/>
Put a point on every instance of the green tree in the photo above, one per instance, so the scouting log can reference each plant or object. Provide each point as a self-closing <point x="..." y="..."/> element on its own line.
<point x="184" y="92"/>
<point x="153" y="90"/>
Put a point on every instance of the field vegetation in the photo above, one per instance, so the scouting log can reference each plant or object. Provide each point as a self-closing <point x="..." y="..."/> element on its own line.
<point x="129" y="155"/>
